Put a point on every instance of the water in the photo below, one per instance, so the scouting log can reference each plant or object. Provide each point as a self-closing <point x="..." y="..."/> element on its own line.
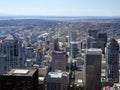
<point x="57" y="18"/>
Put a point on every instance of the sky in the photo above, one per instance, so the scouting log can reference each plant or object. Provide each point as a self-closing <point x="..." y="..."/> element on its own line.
<point x="60" y="7"/>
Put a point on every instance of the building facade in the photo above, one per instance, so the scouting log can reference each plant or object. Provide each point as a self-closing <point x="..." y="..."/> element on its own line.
<point x="113" y="60"/>
<point x="59" y="60"/>
<point x="74" y="49"/>
<point x="11" y="53"/>
<point x="101" y="41"/>
<point x="93" y="69"/>
<point x="57" y="80"/>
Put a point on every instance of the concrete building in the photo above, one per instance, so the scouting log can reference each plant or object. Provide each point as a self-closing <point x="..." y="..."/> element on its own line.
<point x="59" y="60"/>
<point x="42" y="71"/>
<point x="19" y="79"/>
<point x="57" y="80"/>
<point x="11" y="53"/>
<point x="113" y="61"/>
<point x="92" y="73"/>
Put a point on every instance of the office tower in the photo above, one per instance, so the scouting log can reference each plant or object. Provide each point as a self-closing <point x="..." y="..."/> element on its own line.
<point x="57" y="80"/>
<point x="39" y="55"/>
<point x="73" y="35"/>
<point x="94" y="44"/>
<point x="101" y="41"/>
<point x="89" y="41"/>
<point x="19" y="79"/>
<point x="74" y="49"/>
<point x="30" y="52"/>
<point x="83" y="44"/>
<point x="92" y="33"/>
<point x="59" y="60"/>
<point x="93" y="69"/>
<point x="56" y="45"/>
<point x="11" y="53"/>
<point x="113" y="60"/>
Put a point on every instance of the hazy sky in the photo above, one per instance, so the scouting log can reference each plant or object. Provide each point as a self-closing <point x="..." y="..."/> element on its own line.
<point x="60" y="7"/>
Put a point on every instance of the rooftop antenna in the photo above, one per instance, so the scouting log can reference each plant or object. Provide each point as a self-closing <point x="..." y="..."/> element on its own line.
<point x="58" y="29"/>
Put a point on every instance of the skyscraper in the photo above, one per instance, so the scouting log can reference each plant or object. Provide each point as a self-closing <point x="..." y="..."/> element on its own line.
<point x="73" y="35"/>
<point x="56" y="45"/>
<point x="113" y="60"/>
<point x="101" y="41"/>
<point x="74" y="49"/>
<point x="93" y="69"/>
<point x="59" y="60"/>
<point x="11" y="53"/>
<point x="92" y="33"/>
<point x="90" y="39"/>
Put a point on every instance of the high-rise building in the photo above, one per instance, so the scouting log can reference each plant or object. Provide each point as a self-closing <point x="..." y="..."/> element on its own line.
<point x="92" y="33"/>
<point x="113" y="60"/>
<point x="59" y="60"/>
<point x="90" y="39"/>
<point x="83" y="44"/>
<point x="39" y="55"/>
<point x="11" y="53"/>
<point x="30" y="52"/>
<point x="93" y="69"/>
<point x="74" y="49"/>
<point x="56" y="45"/>
<point x="101" y="41"/>
<point x="19" y="79"/>
<point x="73" y="36"/>
<point x="57" y="80"/>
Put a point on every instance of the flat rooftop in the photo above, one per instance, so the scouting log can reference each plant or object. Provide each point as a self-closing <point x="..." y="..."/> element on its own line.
<point x="20" y="72"/>
<point x="93" y="51"/>
<point x="74" y="42"/>
<point x="60" y="52"/>
<point x="55" y="74"/>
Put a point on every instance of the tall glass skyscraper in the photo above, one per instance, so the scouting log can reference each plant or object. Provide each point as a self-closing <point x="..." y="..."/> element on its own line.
<point x="113" y="61"/>
<point x="11" y="53"/>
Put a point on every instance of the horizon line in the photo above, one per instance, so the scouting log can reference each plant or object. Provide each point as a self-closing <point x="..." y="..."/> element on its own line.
<point x="59" y="16"/>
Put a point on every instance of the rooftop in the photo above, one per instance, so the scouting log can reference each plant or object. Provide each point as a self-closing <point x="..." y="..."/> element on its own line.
<point x="74" y="42"/>
<point x="20" y="72"/>
<point x="94" y="51"/>
<point x="60" y="52"/>
<point x="11" y="37"/>
<point x="55" y="74"/>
